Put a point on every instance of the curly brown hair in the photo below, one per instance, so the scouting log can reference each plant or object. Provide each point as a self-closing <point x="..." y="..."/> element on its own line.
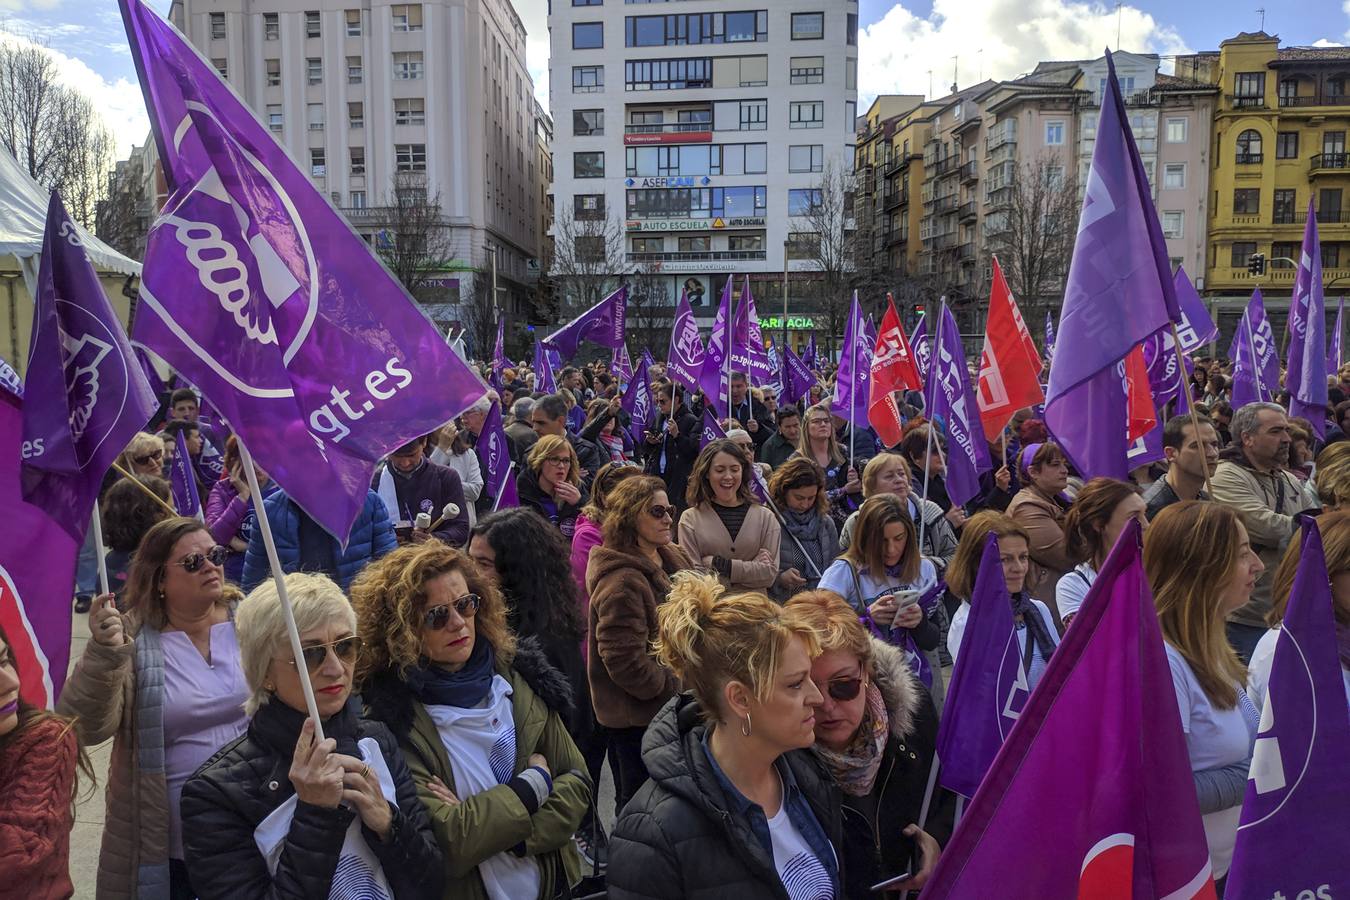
<point x="700" y="490"/>
<point x="389" y="597"/>
<point x="606" y="480"/>
<point x="798" y="472"/>
<point x="627" y="502"/>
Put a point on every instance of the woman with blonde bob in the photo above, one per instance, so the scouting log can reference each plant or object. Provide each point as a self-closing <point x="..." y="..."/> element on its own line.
<point x="797" y="488"/>
<point x="724" y="528"/>
<point x="277" y="812"/>
<point x="876" y="731"/>
<point x="550" y="483"/>
<point x="735" y="806"/>
<point x="478" y="716"/>
<point x="1201" y="567"/>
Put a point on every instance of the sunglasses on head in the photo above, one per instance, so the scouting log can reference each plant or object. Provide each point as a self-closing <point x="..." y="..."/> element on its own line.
<point x="216" y="556"/>
<point x="661" y="512"/>
<point x="152" y="456"/>
<point x="345" y="649"/>
<point x="437" y="617"/>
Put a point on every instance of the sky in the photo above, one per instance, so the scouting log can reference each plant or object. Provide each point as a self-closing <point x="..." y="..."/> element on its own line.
<point x="899" y="44"/>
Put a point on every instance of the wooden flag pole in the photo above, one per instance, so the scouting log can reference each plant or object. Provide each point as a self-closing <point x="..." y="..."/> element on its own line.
<point x="149" y="493"/>
<point x="101" y="553"/>
<point x="928" y="401"/>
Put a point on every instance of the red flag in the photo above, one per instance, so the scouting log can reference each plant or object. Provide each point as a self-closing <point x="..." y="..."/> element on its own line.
<point x="1010" y="367"/>
<point x="1139" y="398"/>
<point x="893" y="369"/>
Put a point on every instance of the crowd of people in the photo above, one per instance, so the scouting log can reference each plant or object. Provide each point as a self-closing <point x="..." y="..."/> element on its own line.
<point x="755" y="633"/>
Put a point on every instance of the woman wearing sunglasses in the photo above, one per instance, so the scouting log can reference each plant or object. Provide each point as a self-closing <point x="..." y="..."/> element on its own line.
<point x="164" y="682"/>
<point x="278" y="812"/>
<point x="550" y="483"/>
<point x="876" y="731"/>
<point x="143" y="456"/>
<point x="479" y="718"/>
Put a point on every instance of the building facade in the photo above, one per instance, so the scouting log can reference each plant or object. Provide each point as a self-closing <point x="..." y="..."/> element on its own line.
<point x="696" y="132"/>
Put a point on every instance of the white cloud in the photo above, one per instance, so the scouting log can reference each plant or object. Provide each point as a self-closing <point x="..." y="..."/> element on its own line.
<point x="896" y="53"/>
<point x="23" y="5"/>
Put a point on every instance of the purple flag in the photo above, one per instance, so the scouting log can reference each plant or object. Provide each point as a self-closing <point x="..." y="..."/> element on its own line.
<point x="603" y="323"/>
<point x="950" y="397"/>
<point x="1119" y="291"/>
<point x="88" y="394"/>
<point x="684" y="360"/>
<point x="183" y="481"/>
<point x="870" y="330"/>
<point x="809" y="354"/>
<point x="1095" y="768"/>
<point x="1196" y="328"/>
<point x="797" y="377"/>
<point x="1299" y="782"/>
<point x="1165" y="378"/>
<point x="494" y="452"/>
<point x="499" y="360"/>
<point x="259" y="292"/>
<point x="544" y="376"/>
<point x="1334" y="342"/>
<point x="621" y="365"/>
<point x="851" y="381"/>
<point x="748" y="354"/>
<point x="989" y="686"/>
<point x="1049" y="335"/>
<point x="638" y="401"/>
<point x="157" y="385"/>
<point x="1306" y="376"/>
<point x="1256" y="363"/>
<point x="715" y="377"/>
<point x="921" y="347"/>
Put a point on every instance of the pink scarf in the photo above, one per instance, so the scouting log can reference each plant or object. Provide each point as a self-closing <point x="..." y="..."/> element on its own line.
<point x="855" y="767"/>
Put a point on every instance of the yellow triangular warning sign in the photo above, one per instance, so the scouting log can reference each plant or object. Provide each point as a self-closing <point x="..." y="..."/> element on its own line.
<point x="718" y="223"/>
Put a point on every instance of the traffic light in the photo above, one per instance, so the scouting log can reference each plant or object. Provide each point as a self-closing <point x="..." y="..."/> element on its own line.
<point x="1256" y="264"/>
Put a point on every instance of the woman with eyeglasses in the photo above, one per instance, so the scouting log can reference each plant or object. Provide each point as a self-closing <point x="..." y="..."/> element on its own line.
<point x="888" y="473"/>
<point x="479" y="717"/>
<point x="230" y="511"/>
<point x="144" y="455"/>
<point x="629" y="578"/>
<point x="550" y="483"/>
<point x="164" y="681"/>
<point x="279" y="812"/>
<point x="876" y="731"/>
<point x="724" y="527"/>
<point x="820" y="444"/>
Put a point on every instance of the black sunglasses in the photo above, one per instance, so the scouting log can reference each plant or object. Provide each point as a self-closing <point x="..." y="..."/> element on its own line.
<point x="844" y="689"/>
<point x="148" y="458"/>
<point x="661" y="512"/>
<point x="437" y="617"/>
<point x="216" y="556"/>
<point x="345" y="649"/>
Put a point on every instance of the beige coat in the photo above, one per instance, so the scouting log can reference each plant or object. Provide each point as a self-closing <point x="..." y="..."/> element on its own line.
<point x="1043" y="520"/>
<point x="703" y="536"/>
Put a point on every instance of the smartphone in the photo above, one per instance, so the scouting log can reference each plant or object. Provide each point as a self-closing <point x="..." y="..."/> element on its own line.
<point x="891" y="884"/>
<point x="906" y="599"/>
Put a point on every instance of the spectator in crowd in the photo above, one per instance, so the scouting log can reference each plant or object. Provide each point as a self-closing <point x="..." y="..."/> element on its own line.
<point x="549" y="417"/>
<point x="723" y="527"/>
<point x="1201" y="568"/>
<point x="602" y="428"/>
<point x="409" y="484"/>
<point x="1191" y="458"/>
<point x="453" y="450"/>
<point x="753" y="417"/>
<point x="519" y="429"/>
<point x="230" y="512"/>
<point x="1333" y="477"/>
<point x="1251" y="479"/>
<point x="888" y="473"/>
<point x="589" y="533"/>
<point x="1040" y="508"/>
<point x="819" y="444"/>
<point x="1222" y="416"/>
<point x="185" y="407"/>
<point x="1216" y="392"/>
<point x="164" y="681"/>
<point x="144" y="455"/>
<point x="1300" y="449"/>
<point x="928" y="469"/>
<point x="129" y="512"/>
<point x="303" y="545"/>
<point x="735" y="806"/>
<point x="472" y="419"/>
<point x="279" y="812"/>
<point x="1099" y="513"/>
<point x="797" y="489"/>
<point x="628" y="579"/>
<point x="785" y="440"/>
<point x="551" y="484"/>
<point x="480" y="718"/>
<point x="876" y="732"/>
<point x="741" y="438"/>
<point x="672" y="442"/>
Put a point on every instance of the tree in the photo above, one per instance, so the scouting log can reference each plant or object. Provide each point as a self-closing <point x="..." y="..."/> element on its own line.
<point x="588" y="259"/>
<point x="54" y="131"/>
<point x="823" y="235"/>
<point x="412" y="236"/>
<point x="651" y="313"/>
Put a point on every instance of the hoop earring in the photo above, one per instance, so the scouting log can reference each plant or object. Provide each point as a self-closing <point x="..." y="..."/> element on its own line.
<point x="745" y="729"/>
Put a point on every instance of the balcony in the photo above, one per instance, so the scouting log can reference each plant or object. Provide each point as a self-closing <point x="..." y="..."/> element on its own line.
<point x="1248" y="159"/>
<point x="968" y="211"/>
<point x="896" y="164"/>
<point x="1314" y="100"/>
<point x="1324" y="162"/>
<point x="1002" y="134"/>
<point x="970" y="172"/>
<point x="368" y="213"/>
<point x="677" y="256"/>
<point x="892" y="199"/>
<point x="966" y="252"/>
<point x="944" y="241"/>
<point x="945" y="204"/>
<point x="1257" y="102"/>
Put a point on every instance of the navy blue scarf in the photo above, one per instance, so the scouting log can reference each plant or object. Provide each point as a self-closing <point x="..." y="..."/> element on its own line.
<point x="465" y="689"/>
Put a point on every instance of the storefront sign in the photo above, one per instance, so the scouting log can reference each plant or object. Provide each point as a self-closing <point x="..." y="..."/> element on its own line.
<point x="671" y="181"/>
<point x="692" y="224"/>
<point x="795" y="323"/>
<point x="668" y="137"/>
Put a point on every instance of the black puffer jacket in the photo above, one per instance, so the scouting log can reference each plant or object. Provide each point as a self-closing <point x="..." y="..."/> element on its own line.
<point x="677" y="837"/>
<point x="247" y="779"/>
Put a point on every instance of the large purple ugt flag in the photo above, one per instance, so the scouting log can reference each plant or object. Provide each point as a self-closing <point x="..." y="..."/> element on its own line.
<point x="259" y="293"/>
<point x="87" y="391"/>
<point x="852" y="380"/>
<point x="494" y="452"/>
<point x="638" y="402"/>
<point x="684" y="359"/>
<point x="1096" y="768"/>
<point x="1119" y="291"/>
<point x="1306" y="377"/>
<point x="950" y="397"/>
<point x="1256" y="360"/>
<point x="715" y="377"/>
<point x="603" y="323"/>
<point x="1295" y="820"/>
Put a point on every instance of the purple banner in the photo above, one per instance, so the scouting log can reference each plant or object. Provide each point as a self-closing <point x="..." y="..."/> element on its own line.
<point x="621" y="366"/>
<point x="1196" y="328"/>
<point x="950" y="397"/>
<point x="921" y="347"/>
<point x="183" y="481"/>
<point x="1256" y="361"/>
<point x="1049" y="335"/>
<point x="809" y="354"/>
<point x="797" y="377"/>
<point x="684" y="359"/>
<point x="714" y="380"/>
<point x="544" y="376"/>
<point x="638" y="401"/>
<point x="603" y="324"/>
<point x="1334" y="342"/>
<point x="852" y="381"/>
<point x="494" y="451"/>
<point x="1306" y="376"/>
<point x="748" y="354"/>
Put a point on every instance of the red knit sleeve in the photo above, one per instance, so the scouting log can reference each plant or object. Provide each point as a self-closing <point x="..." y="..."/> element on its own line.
<point x="37" y="777"/>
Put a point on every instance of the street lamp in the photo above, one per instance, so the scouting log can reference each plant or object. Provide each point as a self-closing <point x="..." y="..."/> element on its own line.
<point x="786" y="242"/>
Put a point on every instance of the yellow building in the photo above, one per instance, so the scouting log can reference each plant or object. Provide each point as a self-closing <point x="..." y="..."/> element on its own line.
<point x="878" y="228"/>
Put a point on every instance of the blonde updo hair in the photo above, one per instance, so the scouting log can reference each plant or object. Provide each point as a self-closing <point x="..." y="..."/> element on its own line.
<point x="709" y="638"/>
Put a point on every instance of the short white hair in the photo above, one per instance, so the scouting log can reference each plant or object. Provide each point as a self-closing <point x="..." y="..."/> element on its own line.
<point x="483" y="403"/>
<point x="261" y="625"/>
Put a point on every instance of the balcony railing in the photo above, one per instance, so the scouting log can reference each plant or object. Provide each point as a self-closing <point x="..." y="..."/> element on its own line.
<point x="1327" y="161"/>
<point x="698" y="256"/>
<point x="966" y="252"/>
<point x="1249" y="159"/>
<point x="1257" y="102"/>
<point x="894" y="198"/>
<point x="1315" y="100"/>
<point x="668" y="128"/>
<point x="968" y="210"/>
<point x="947" y="165"/>
<point x="945" y="204"/>
<point x="970" y="171"/>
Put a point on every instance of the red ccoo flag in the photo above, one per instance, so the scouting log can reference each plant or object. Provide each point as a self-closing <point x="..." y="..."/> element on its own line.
<point x="893" y="369"/>
<point x="1010" y="367"/>
<point x="1143" y="414"/>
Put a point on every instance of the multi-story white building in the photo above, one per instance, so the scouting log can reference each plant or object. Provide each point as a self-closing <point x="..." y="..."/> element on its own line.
<point x="700" y="129"/>
<point x="366" y="93"/>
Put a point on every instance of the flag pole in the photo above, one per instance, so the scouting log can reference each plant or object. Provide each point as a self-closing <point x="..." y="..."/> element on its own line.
<point x="928" y="402"/>
<point x="502" y="490"/>
<point x="1190" y="404"/>
<point x="779" y="516"/>
<point x="149" y="493"/>
<point x="275" y="562"/>
<point x="102" y="553"/>
<point x="853" y="373"/>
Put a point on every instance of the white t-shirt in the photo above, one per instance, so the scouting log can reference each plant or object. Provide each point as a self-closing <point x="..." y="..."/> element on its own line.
<point x="1072" y="589"/>
<point x="957" y="631"/>
<point x="1258" y="671"/>
<point x="1214" y="738"/>
<point x="802" y="874"/>
<point x="839" y="578"/>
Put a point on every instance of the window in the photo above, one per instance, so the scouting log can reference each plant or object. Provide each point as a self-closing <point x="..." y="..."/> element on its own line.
<point x="800" y="202"/>
<point x="357" y="156"/>
<point x="695" y="244"/>
<point x="1173" y="223"/>
<point x="850" y="118"/>
<point x="272" y="67"/>
<point x="1333" y="144"/>
<point x="1246" y="201"/>
<point x="806" y="69"/>
<point x="851" y="75"/>
<point x="588" y="35"/>
<point x="1287" y="90"/>
<point x="588" y="79"/>
<point x="806" y="158"/>
<point x="1174" y="176"/>
<point x="1284" y="250"/>
<point x="588" y="207"/>
<point x="1054" y="133"/>
<point x="1331" y="256"/>
<point x="590" y="164"/>
<point x="355" y="73"/>
<point x="649" y="245"/>
<point x="1329" y="205"/>
<point x="1054" y="177"/>
<point x="754" y="115"/>
<point x="407" y="16"/>
<point x="1249" y="88"/>
<point x="317" y="166"/>
<point x="358" y="199"/>
<point x="1283" y="207"/>
<point x="667" y="74"/>
<point x="410" y="111"/>
<point x="1249" y="147"/>
<point x="222" y="66"/>
<point x="588" y="2"/>
<point x="217" y="26"/>
<point x="588" y="122"/>
<point x="356" y="115"/>
<point x="353" y="22"/>
<point x="314" y="116"/>
<point x="1241" y="251"/>
<point x="810" y="114"/>
<point x="314" y="70"/>
<point x="410" y="157"/>
<point x="808" y="26"/>
<point x="271" y="27"/>
<point x="745" y="243"/>
<point x="1286" y="145"/>
<point x="851" y="29"/>
<point x="1175" y="131"/>
<point x="590" y="248"/>
<point x="312" y="24"/>
<point x="274" y="116"/>
<point x="681" y="29"/>
<point x="408" y="65"/>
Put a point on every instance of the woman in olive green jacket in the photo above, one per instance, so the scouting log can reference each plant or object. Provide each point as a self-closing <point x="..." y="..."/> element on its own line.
<point x="480" y="721"/>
